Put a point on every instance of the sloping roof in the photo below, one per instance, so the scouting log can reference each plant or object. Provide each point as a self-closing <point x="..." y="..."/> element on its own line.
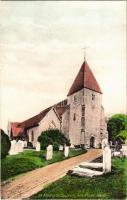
<point x="84" y="79"/>
<point x="18" y="127"/>
<point x="61" y="110"/>
<point x="61" y="107"/>
<point x="33" y="121"/>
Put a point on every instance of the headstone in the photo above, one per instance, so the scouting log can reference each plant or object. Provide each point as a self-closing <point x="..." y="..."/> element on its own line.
<point x="116" y="153"/>
<point x="49" y="152"/>
<point x="25" y="143"/>
<point x="38" y="146"/>
<point x="20" y="146"/>
<point x="61" y="148"/>
<point x="72" y="146"/>
<point x="124" y="149"/>
<point x="106" y="160"/>
<point x="110" y="143"/>
<point x="104" y="143"/>
<point x="13" y="149"/>
<point x="66" y="151"/>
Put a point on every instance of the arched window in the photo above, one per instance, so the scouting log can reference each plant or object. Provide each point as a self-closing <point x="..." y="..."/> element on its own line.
<point x="93" y="96"/>
<point x="74" y="117"/>
<point x="83" y="110"/>
<point x="32" y="136"/>
<point x="75" y="99"/>
<point x="82" y="121"/>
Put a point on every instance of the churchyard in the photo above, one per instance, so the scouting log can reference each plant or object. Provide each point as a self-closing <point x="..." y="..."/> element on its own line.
<point x="108" y="186"/>
<point x="83" y="176"/>
<point x="103" y="178"/>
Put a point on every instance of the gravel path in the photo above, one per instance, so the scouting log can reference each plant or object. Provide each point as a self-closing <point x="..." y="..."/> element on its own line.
<point x="32" y="182"/>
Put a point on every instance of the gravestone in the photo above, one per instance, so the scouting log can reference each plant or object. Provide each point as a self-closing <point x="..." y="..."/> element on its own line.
<point x="66" y="151"/>
<point x="20" y="146"/>
<point x="61" y="148"/>
<point x="106" y="159"/>
<point x="13" y="150"/>
<point x="38" y="146"/>
<point x="49" y="152"/>
<point x="25" y="143"/>
<point x="104" y="143"/>
<point x="124" y="149"/>
<point x="110" y="143"/>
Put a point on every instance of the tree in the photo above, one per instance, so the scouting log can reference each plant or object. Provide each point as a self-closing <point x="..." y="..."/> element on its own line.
<point x="5" y="144"/>
<point x="54" y="137"/>
<point x="116" y="124"/>
<point x="122" y="135"/>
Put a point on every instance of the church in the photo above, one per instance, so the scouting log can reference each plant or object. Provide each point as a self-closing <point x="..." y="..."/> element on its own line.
<point x="80" y="117"/>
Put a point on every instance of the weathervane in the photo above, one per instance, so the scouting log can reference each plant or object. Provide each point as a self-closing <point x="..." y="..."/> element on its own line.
<point x="85" y="53"/>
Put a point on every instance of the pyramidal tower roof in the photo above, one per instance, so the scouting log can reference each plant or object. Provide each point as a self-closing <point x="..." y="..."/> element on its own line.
<point x="84" y="79"/>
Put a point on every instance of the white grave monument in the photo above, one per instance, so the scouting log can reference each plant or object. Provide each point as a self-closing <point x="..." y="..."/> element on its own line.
<point x="49" y="152"/>
<point x="38" y="146"/>
<point x="124" y="149"/>
<point x="61" y="148"/>
<point x="25" y="143"/>
<point x="13" y="150"/>
<point x="106" y="156"/>
<point x="104" y="143"/>
<point x="66" y="151"/>
<point x="20" y="146"/>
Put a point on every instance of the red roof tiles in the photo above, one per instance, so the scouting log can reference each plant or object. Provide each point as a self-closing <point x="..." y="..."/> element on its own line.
<point x="18" y="128"/>
<point x="33" y="121"/>
<point x="84" y="79"/>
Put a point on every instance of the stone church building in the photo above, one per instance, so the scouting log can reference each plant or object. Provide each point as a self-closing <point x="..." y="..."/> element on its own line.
<point x="80" y="117"/>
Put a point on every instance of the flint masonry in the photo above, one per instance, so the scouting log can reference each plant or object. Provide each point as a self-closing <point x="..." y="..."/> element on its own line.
<point x="80" y="117"/>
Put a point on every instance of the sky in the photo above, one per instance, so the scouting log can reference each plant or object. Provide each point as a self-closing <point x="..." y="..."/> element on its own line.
<point x="41" y="48"/>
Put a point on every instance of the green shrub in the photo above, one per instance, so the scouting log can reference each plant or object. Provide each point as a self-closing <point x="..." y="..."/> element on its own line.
<point x="115" y="125"/>
<point x="54" y="137"/>
<point x="5" y="144"/>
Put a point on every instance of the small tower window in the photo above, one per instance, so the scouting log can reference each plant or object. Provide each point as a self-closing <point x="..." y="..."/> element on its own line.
<point x="75" y="98"/>
<point x="82" y="121"/>
<point x="93" y="96"/>
<point x="83" y="110"/>
<point x="74" y="117"/>
<point x="32" y="136"/>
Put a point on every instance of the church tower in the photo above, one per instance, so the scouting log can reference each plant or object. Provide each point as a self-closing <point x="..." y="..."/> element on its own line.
<point x="85" y="98"/>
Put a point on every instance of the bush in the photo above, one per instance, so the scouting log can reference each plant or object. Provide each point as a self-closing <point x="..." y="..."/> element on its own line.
<point x="54" y="137"/>
<point x="116" y="124"/>
<point x="5" y="144"/>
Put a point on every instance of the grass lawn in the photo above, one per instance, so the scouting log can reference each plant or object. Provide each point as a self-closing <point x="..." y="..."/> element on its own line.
<point x="110" y="186"/>
<point x="13" y="165"/>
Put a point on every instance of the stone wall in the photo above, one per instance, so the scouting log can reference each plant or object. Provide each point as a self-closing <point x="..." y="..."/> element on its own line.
<point x="75" y="101"/>
<point x="86" y="118"/>
<point x="65" y="123"/>
<point x="35" y="135"/>
<point x="103" y="125"/>
<point x="50" y="121"/>
<point x="92" y="102"/>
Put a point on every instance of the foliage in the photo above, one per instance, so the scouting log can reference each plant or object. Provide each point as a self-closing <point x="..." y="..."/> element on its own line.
<point x="116" y="124"/>
<point x="13" y="165"/>
<point x="5" y="144"/>
<point x="109" y="186"/>
<point x="54" y="137"/>
<point x="122" y="135"/>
